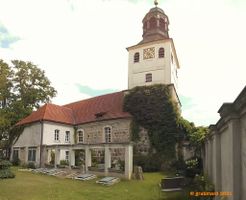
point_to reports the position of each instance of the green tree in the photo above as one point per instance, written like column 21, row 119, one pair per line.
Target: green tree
column 197, row 137
column 23, row 88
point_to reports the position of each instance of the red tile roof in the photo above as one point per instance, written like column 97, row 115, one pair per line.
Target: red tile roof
column 109, row 106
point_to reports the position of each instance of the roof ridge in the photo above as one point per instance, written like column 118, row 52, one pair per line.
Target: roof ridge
column 92, row 98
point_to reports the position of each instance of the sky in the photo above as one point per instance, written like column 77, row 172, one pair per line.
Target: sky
column 81, row 45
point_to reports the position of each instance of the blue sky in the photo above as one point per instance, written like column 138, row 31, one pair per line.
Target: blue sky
column 81, row 45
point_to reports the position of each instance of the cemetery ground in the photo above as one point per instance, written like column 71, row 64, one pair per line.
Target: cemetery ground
column 28, row 185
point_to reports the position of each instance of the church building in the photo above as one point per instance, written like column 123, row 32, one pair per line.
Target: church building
column 98, row 127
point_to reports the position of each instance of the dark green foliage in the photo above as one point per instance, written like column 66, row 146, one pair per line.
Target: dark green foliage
column 5, row 164
column 135, row 129
column 31, row 165
column 193, row 167
column 149, row 163
column 5, row 171
column 16, row 162
column 153, row 109
column 201, row 184
column 64, row 162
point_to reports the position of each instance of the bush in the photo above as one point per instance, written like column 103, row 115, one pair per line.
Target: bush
column 192, row 167
column 149, row 163
column 64, row 162
column 5, row 164
column 31, row 165
column 16, row 162
column 6, row 173
column 4, row 169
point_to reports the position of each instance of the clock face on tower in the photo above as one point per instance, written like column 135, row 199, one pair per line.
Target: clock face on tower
column 149, row 53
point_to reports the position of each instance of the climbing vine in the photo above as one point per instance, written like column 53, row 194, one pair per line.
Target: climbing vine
column 153, row 109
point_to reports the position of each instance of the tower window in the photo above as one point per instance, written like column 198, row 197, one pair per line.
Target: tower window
column 161, row 52
column 162, row 24
column 148, row 78
column 107, row 132
column 172, row 58
column 153, row 23
column 136, row 57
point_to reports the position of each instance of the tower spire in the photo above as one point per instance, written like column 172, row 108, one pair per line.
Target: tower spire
column 156, row 3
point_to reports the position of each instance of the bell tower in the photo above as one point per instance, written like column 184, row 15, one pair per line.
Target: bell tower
column 154, row 60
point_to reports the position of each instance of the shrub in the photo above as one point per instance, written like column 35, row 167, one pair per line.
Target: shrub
column 5, row 164
column 192, row 167
column 4, row 169
column 64, row 162
column 31, row 165
column 6, row 173
column 202, row 184
column 16, row 162
column 149, row 163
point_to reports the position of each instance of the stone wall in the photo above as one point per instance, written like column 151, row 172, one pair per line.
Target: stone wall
column 225, row 149
column 94, row 132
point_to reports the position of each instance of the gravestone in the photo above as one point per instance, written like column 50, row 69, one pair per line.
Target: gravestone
column 138, row 173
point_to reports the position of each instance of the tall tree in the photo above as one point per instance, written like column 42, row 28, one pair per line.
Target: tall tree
column 6, row 75
column 23, row 88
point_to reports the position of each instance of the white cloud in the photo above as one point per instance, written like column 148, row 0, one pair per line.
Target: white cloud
column 83, row 42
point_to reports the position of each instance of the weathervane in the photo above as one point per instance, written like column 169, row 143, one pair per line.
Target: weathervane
column 156, row 3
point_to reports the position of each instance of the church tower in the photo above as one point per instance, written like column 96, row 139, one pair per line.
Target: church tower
column 154, row 59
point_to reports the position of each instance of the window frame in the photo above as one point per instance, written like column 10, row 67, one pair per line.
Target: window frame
column 67, row 136
column 148, row 77
column 161, row 52
column 32, row 154
column 107, row 135
column 15, row 154
column 136, row 57
column 67, row 156
column 57, row 135
column 81, row 131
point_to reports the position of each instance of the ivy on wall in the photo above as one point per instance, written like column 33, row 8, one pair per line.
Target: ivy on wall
column 153, row 109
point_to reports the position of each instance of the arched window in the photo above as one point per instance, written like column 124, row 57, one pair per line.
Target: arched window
column 80, row 136
column 107, row 133
column 56, row 135
column 148, row 77
column 145, row 27
column 136, row 57
column 152, row 23
column 161, row 52
column 162, row 24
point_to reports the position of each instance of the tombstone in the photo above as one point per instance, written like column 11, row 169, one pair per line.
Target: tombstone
column 83, row 169
column 138, row 173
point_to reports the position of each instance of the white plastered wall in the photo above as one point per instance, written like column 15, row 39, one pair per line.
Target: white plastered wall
column 49, row 132
column 163, row 69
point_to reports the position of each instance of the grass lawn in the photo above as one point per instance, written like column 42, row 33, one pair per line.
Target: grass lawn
column 30, row 186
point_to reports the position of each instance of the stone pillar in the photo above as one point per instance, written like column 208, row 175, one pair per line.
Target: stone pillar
column 87, row 158
column 128, row 161
column 71, row 157
column 57, row 157
column 26, row 154
column 218, row 162
column 236, row 157
column 44, row 156
column 107, row 159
